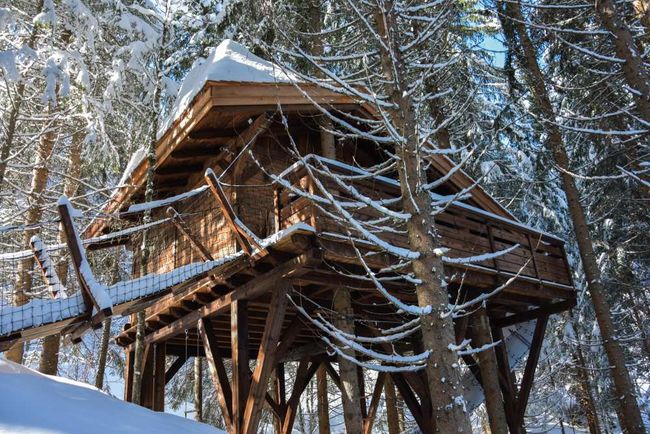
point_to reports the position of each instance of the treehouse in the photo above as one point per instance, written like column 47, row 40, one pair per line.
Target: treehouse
column 232, row 188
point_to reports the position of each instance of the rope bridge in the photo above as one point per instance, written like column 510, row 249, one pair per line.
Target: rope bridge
column 52, row 288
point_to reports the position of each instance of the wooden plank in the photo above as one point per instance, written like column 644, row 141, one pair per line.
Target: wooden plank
column 250, row 290
column 266, row 357
column 536, row 313
column 174, row 368
column 217, row 370
column 374, row 403
column 239, row 360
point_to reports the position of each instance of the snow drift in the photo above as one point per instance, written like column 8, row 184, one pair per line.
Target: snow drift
column 31, row 402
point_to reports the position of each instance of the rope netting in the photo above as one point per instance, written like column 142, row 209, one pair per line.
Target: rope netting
column 44, row 279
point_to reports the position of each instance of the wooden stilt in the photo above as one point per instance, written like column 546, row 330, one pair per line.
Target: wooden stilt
column 304, row 374
column 128, row 376
column 265, row 358
column 174, row 368
column 239, row 359
column 322, row 400
column 160, row 353
column 374, row 403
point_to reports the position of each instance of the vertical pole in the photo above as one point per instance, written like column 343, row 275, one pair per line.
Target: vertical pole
column 489, row 374
column 240, row 368
column 323, row 401
column 160, row 354
column 128, row 376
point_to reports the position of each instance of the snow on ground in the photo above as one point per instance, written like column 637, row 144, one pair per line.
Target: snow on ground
column 32, row 403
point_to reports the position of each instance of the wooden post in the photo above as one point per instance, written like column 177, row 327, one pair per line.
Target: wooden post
column 128, row 376
column 48, row 272
column 374, row 403
column 322, row 401
column 160, row 353
column 303, row 375
column 265, row 358
column 77, row 252
column 239, row 358
column 489, row 374
column 392, row 411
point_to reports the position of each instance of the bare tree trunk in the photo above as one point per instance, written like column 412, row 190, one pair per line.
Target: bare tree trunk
column 351, row 396
column 585, row 397
column 14, row 113
column 487, row 362
column 49, row 360
column 138, row 362
column 517, row 37
column 40, row 175
column 392, row 411
column 198, row 389
column 443, row 375
column 103, row 353
column 323, row 401
column 634, row 72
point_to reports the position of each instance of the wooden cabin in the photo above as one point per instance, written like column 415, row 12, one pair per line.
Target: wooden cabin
column 239, row 311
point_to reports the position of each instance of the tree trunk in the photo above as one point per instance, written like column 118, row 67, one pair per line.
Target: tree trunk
column 138, row 362
column 392, row 410
column 585, row 397
column 49, row 359
column 323, row 401
column 198, row 389
column 103, row 353
column 634, row 72
column 487, row 362
column 443, row 375
column 630, row 416
column 40, row 175
column 351, row 396
column 14, row 113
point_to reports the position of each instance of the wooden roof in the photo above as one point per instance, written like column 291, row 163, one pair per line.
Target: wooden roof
column 248, row 99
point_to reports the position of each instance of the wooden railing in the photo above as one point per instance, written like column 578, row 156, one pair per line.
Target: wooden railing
column 465, row 230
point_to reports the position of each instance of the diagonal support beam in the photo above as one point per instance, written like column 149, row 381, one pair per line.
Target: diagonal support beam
column 374, row 403
column 217, row 369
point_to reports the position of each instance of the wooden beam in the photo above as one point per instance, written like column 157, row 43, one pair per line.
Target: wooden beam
column 174, row 368
column 159, row 382
column 250, row 290
column 411, row 401
column 374, row 403
column 184, row 229
column 542, row 311
column 212, row 133
column 128, row 376
column 531, row 366
column 48, row 272
column 244, row 239
column 217, row 370
column 239, row 360
column 77, row 253
column 266, row 357
column 178, row 169
column 304, row 374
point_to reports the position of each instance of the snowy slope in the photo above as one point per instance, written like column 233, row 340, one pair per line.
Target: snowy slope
column 31, row 402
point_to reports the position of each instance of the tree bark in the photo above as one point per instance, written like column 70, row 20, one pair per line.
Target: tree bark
column 40, row 175
column 585, row 397
column 103, row 353
column 49, row 360
column 443, row 375
column 633, row 69
column 351, row 396
column 487, row 362
column 198, row 389
column 518, row 41
column 14, row 113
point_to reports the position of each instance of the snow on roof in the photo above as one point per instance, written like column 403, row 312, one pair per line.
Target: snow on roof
column 37, row 403
column 230, row 61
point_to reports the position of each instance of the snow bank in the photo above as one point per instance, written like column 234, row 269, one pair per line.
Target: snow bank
column 230, row 61
column 31, row 402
